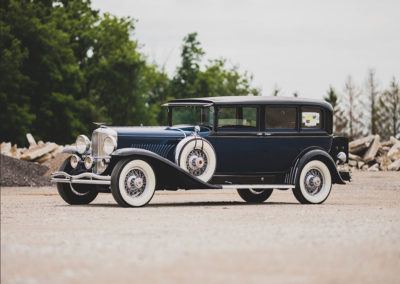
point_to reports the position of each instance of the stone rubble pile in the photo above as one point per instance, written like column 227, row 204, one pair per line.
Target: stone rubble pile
column 371, row 154
column 39, row 152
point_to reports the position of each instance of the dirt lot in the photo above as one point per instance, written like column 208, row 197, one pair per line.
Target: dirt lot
column 205, row 236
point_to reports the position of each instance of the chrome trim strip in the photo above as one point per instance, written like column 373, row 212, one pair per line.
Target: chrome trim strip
column 200, row 104
column 64, row 177
column 81, row 181
column 257, row 186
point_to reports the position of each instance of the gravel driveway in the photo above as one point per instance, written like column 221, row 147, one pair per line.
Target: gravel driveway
column 205, row 236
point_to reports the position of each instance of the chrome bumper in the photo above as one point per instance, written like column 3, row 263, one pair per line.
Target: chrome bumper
column 83, row 178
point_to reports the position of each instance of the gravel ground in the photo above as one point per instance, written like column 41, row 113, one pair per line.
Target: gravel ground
column 14, row 172
column 205, row 236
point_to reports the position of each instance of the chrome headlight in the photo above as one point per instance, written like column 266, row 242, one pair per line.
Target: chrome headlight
column 74, row 161
column 82, row 144
column 88, row 162
column 109, row 145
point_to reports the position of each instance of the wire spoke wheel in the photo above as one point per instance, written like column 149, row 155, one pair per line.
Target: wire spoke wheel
column 314, row 183
column 133, row 183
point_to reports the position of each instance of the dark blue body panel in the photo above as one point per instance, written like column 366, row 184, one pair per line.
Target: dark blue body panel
column 262, row 154
column 248, row 154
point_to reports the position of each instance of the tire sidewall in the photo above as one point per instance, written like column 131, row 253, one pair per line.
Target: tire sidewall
column 70, row 193
column 323, row 194
column 148, row 193
column 209, row 151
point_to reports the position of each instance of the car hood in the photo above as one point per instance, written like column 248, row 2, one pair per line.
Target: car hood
column 145, row 131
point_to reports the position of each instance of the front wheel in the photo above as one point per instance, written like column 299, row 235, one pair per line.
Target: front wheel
column 75, row 194
column 254, row 195
column 314, row 184
column 133, row 183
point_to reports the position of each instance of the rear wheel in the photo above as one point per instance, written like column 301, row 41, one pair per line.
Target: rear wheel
column 314, row 184
column 75, row 194
column 133, row 183
column 254, row 195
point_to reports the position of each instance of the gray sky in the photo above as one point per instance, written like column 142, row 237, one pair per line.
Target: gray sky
column 298, row 46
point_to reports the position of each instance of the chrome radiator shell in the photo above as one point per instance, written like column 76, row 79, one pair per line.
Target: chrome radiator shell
column 98, row 154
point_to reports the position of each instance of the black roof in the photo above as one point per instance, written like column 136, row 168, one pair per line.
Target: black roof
column 249, row 100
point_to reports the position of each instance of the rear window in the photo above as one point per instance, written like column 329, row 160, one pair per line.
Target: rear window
column 311, row 118
column 280, row 117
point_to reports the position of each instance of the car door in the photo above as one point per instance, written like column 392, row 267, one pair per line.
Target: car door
column 237, row 141
column 289, row 130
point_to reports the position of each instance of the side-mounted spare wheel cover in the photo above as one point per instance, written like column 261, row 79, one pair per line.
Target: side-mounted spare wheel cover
column 196, row 156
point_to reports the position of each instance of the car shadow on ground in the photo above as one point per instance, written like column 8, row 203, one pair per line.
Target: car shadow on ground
column 224, row 204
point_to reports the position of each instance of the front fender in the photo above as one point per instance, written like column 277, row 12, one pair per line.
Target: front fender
column 168, row 174
column 323, row 157
column 69, row 150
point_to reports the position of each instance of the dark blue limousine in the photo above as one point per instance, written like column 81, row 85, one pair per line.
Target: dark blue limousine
column 251, row 144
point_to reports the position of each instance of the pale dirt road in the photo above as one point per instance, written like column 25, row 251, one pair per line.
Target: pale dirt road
column 205, row 237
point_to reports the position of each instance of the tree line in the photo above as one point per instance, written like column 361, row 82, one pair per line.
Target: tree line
column 360, row 111
column 64, row 65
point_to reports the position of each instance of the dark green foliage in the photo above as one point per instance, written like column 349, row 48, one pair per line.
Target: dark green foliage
column 64, row 66
column 215, row 79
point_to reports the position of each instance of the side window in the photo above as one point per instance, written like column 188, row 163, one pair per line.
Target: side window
column 311, row 118
column 280, row 118
column 238, row 118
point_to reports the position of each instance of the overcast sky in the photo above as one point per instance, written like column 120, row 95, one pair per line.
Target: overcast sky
column 298, row 46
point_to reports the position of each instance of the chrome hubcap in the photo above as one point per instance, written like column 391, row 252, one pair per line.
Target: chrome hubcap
column 196, row 162
column 135, row 182
column 313, row 181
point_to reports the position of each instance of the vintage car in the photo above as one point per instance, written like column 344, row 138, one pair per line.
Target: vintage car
column 253, row 144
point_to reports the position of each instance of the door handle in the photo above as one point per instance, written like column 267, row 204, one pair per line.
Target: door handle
column 267, row 134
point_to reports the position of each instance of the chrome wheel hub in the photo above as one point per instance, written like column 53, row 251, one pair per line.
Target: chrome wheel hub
column 196, row 162
column 313, row 181
column 135, row 182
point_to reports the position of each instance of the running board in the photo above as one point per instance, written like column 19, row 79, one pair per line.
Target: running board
column 256, row 186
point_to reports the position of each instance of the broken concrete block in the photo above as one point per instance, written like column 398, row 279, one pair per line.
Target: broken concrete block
column 372, row 150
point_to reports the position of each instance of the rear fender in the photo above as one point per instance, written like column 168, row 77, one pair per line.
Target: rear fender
column 168, row 174
column 313, row 154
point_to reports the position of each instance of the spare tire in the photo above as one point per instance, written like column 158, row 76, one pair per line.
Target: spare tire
column 196, row 156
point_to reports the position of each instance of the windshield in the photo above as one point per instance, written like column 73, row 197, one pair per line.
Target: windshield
column 193, row 115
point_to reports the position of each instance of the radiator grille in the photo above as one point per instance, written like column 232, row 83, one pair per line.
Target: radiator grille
column 98, row 137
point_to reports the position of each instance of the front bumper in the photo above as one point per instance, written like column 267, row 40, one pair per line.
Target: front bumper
column 83, row 178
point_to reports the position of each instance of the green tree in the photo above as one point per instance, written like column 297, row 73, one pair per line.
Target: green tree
column 214, row 79
column 52, row 80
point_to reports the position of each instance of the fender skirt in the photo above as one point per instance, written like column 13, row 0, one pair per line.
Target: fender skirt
column 168, row 174
column 323, row 157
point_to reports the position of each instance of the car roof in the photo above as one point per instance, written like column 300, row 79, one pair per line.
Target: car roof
column 248, row 100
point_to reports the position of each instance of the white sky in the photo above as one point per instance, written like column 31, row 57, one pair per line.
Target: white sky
column 298, row 46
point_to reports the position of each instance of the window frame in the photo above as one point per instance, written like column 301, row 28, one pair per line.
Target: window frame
column 322, row 128
column 250, row 130
column 281, row 130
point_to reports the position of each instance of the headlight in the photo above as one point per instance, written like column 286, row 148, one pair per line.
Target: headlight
column 109, row 145
column 74, row 161
column 88, row 162
column 82, row 144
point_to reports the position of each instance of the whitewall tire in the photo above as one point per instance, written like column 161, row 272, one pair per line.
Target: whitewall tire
column 196, row 156
column 314, row 184
column 133, row 183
